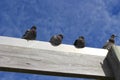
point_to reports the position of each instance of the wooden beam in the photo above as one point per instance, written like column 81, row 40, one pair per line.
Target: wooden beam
column 37, row 57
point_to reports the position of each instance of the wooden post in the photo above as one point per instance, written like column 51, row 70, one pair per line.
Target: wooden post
column 113, row 60
column 37, row 57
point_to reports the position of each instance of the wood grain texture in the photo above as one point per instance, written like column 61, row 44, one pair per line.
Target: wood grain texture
column 17, row 58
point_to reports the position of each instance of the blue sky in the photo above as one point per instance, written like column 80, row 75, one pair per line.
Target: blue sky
column 96, row 20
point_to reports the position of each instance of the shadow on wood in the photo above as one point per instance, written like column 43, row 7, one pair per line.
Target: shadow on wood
column 107, row 70
column 113, row 61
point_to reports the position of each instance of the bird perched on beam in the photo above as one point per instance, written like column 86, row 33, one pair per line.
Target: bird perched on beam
column 30, row 34
column 110, row 42
column 56, row 39
column 80, row 42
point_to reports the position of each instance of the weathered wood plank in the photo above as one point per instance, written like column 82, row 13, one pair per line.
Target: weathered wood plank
column 47, row 46
column 65, row 60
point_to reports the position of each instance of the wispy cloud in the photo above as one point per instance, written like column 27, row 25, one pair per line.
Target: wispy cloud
column 94, row 19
